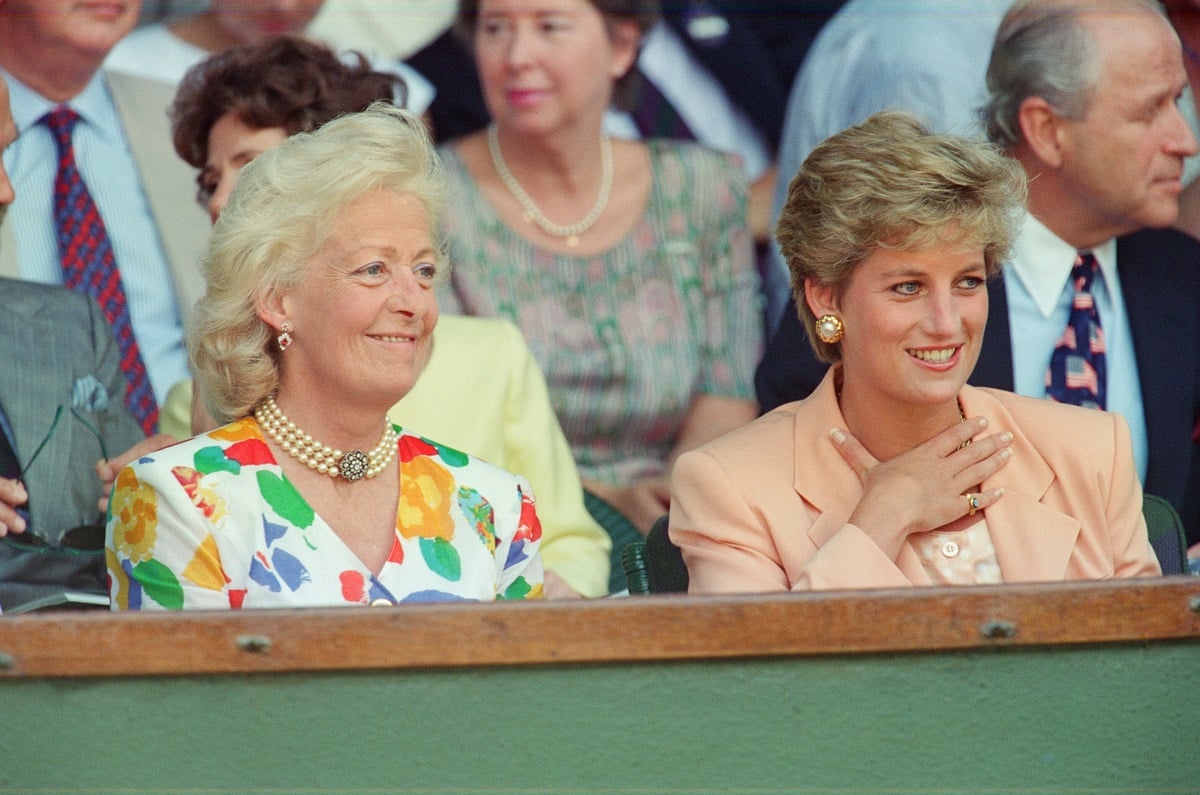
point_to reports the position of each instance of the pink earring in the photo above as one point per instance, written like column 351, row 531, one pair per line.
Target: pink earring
column 285, row 336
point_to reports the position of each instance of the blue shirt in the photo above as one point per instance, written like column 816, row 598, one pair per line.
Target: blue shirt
column 108, row 167
column 1039, row 302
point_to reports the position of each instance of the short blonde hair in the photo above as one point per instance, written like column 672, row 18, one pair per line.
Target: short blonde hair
column 278, row 217
column 891, row 183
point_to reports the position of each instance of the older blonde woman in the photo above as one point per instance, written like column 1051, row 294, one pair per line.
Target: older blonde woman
column 317, row 318
column 237, row 104
column 894, row 472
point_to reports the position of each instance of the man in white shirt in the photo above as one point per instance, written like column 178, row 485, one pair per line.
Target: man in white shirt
column 60, row 411
column 1103, row 142
column 51, row 52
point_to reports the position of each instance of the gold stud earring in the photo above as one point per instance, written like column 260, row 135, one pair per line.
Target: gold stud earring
column 830, row 329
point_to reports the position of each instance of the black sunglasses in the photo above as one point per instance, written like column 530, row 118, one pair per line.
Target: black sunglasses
column 86, row 539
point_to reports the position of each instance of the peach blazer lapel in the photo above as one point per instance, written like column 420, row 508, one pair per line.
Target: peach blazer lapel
column 821, row 476
column 1033, row 539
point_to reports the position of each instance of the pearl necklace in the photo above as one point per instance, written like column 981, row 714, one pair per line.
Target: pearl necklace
column 534, row 215
column 352, row 466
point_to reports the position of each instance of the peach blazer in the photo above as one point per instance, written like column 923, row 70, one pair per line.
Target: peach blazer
column 765, row 507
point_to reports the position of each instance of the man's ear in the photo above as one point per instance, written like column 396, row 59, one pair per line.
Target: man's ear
column 1046, row 133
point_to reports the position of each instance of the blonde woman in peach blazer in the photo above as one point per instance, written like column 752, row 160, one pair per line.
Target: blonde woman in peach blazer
column 894, row 472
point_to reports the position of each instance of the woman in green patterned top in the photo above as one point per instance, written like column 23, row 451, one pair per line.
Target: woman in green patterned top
column 628, row 265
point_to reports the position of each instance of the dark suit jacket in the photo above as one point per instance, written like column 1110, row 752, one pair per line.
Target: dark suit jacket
column 1160, row 280
column 757, row 58
column 58, row 350
column 458, row 108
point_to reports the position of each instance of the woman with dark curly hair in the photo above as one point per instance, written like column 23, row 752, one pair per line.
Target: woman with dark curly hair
column 266, row 92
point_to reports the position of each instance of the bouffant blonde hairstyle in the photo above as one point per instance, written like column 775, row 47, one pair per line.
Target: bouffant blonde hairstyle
column 278, row 217
column 892, row 183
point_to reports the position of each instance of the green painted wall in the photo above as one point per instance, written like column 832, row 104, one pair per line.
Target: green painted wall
column 1102, row 719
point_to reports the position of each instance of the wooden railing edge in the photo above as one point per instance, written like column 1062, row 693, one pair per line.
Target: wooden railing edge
column 615, row 630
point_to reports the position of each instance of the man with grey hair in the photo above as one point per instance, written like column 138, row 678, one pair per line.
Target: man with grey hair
column 1083, row 94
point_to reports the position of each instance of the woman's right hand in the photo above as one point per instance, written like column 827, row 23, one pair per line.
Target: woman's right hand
column 927, row 487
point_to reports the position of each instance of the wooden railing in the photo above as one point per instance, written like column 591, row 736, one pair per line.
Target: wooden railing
column 613, row 630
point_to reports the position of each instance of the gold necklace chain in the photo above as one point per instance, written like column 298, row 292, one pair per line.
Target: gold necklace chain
column 533, row 214
column 962, row 417
column 352, row 466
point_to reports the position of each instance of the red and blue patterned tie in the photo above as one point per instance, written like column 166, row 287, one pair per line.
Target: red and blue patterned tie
column 89, row 266
column 1077, row 371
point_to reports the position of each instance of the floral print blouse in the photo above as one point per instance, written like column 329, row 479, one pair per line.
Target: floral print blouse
column 213, row 523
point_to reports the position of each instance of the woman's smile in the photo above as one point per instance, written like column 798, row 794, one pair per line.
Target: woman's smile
column 936, row 356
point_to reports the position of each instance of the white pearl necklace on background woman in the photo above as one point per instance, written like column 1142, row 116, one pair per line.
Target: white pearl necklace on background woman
column 533, row 214
column 352, row 466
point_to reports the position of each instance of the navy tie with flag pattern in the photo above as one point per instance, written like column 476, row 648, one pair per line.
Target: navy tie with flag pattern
column 1077, row 371
column 89, row 266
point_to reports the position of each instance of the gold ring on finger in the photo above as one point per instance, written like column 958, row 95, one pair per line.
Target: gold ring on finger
column 972, row 503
